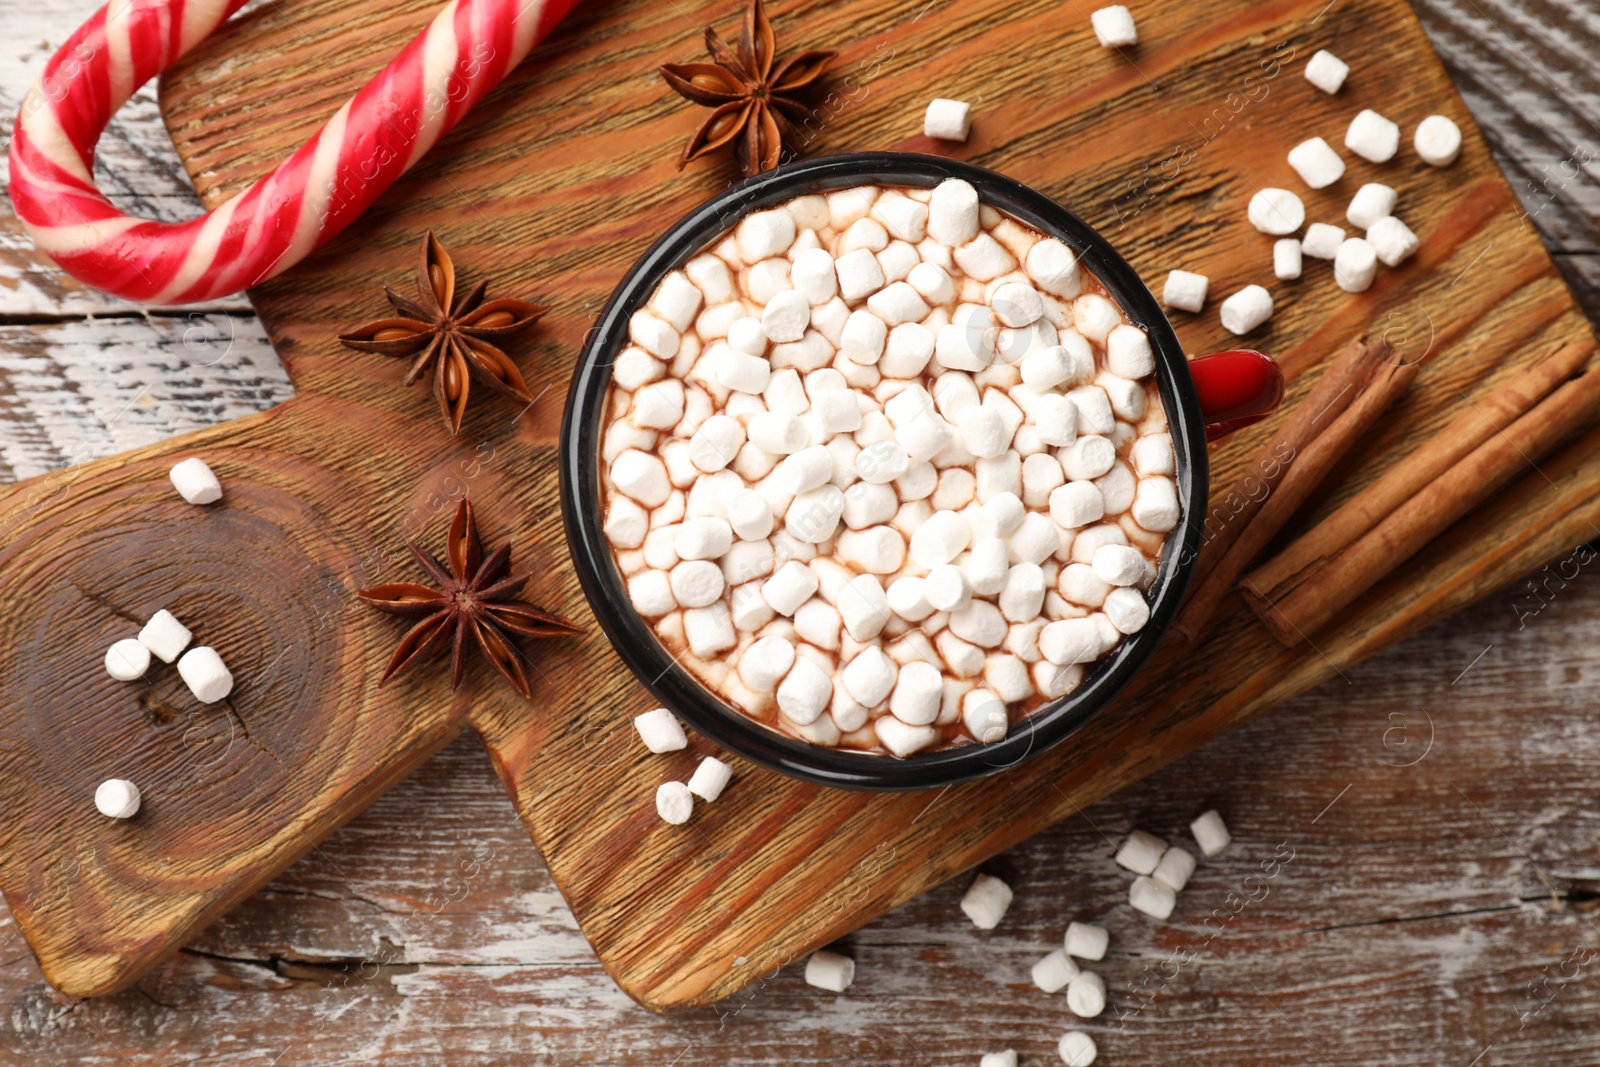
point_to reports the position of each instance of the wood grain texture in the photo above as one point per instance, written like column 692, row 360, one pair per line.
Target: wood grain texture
column 335, row 911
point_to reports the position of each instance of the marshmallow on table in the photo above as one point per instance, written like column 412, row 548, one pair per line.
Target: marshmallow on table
column 1287, row 259
column 1318, row 165
column 1008, row 1058
column 660, row 731
column 1086, row 941
column 1185, row 290
column 195, row 483
column 1114, row 28
column 1326, row 71
column 1246, row 309
column 1372, row 137
column 986, row 901
column 674, row 803
column 127, row 660
column 117, row 798
column 205, row 674
column 1077, row 1049
column 1356, row 266
column 1392, row 241
column 1276, row 212
column 1372, row 202
column 1175, row 869
column 1151, row 897
column 1140, row 852
column 1086, row 995
column 947, row 120
column 165, row 636
column 1438, row 141
column 1322, row 240
column 1210, row 833
column 1054, row 971
column 830, row 971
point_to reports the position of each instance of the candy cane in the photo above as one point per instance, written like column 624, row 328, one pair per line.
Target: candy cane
column 268, row 228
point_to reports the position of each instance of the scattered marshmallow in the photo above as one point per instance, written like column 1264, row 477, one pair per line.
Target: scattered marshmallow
column 1210, row 833
column 1140, row 852
column 674, row 803
column 1438, row 140
column 1152, row 898
column 1175, row 869
column 1287, row 259
column 1185, row 290
column 1276, row 212
column 205, row 674
column 1318, row 165
column 1008, row 1058
column 1114, row 27
column 1372, row 202
column 986, row 901
column 1086, row 995
column 1052, row 973
column 1085, row 941
column 117, row 798
column 1326, row 71
column 1392, row 241
column 1322, row 240
column 660, row 731
column 1077, row 1049
column 947, row 120
column 195, row 483
column 1356, row 265
column 830, row 971
column 710, row 778
column 1372, row 137
column 1246, row 309
column 127, row 660
column 165, row 636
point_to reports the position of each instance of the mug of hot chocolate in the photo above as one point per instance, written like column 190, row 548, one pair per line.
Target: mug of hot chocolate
column 886, row 471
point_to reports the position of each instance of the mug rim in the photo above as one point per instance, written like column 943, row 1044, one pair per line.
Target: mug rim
column 583, row 431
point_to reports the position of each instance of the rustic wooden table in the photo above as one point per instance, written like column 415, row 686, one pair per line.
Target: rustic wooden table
column 1431, row 814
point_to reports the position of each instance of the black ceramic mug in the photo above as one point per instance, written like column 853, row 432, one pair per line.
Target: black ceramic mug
column 1204, row 398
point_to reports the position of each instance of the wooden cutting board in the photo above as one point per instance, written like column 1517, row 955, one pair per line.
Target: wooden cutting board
column 549, row 190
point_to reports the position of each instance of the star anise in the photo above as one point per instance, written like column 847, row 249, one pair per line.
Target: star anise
column 451, row 338
column 470, row 601
column 757, row 108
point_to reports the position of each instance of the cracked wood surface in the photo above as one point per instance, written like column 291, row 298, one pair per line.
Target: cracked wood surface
column 1434, row 913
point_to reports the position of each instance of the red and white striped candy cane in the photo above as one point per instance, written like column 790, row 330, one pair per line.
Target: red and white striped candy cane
column 278, row 221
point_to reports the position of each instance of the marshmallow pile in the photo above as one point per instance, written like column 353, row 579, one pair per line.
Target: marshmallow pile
column 661, row 733
column 165, row 637
column 1163, row 872
column 887, row 469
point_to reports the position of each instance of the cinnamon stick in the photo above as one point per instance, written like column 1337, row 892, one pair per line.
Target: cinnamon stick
column 1321, row 592
column 1360, row 385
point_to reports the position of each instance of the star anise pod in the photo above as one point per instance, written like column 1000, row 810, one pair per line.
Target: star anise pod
column 470, row 601
column 452, row 338
column 756, row 107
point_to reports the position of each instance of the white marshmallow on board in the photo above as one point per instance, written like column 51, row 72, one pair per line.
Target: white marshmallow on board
column 165, row 636
column 127, row 660
column 1246, row 309
column 947, row 120
column 1114, row 27
column 1077, row 1049
column 953, row 213
column 1276, row 212
column 660, row 731
column 207, row 677
column 830, row 971
column 1086, row 995
column 674, row 803
column 1438, row 140
column 1140, row 852
column 1326, row 71
column 1152, row 898
column 1355, row 268
column 1086, row 941
column 1322, row 240
column 195, row 483
column 710, row 778
column 1210, row 833
column 1372, row 202
column 1052, row 972
column 1008, row 1058
column 1175, row 869
column 1318, row 165
column 1287, row 257
column 1392, row 241
column 1372, row 137
column 1185, row 291
column 986, row 901
column 117, row 798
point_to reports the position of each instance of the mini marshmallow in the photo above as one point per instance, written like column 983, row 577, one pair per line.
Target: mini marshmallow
column 1070, row 641
column 1095, row 317
column 750, row 515
column 1322, row 241
column 999, row 516
column 205, row 674
column 165, row 636
column 918, row 693
column 1356, row 266
column 947, row 587
column 678, row 300
column 764, row 663
column 117, row 798
column 813, row 277
column 983, row 432
column 953, row 212
column 712, row 277
column 1174, row 870
column 1035, row 539
column 654, row 335
column 1095, row 416
column 908, row 600
column 802, row 471
column 1372, row 137
column 1114, row 28
column 986, row 901
column 1017, row 304
column 650, row 592
column 779, row 434
column 1210, row 833
column 708, row 630
column 1287, row 259
column 195, row 483
column 947, row 120
column 763, row 234
column 1152, row 898
column 660, row 731
column 785, row 317
column 1326, row 71
column 1318, row 165
column 1392, row 241
column 640, row 476
column 748, row 335
column 1155, row 505
column 902, row 739
column 1246, row 309
column 1438, row 140
column 930, row 280
column 986, row 565
column 789, row 587
column 1077, row 1049
column 940, row 539
column 697, row 583
column 1008, row 1058
column 965, row 346
column 1372, row 202
column 859, row 274
column 979, row 623
column 742, row 372
column 1054, row 268
column 870, row 677
column 905, row 219
column 674, row 803
column 1048, row 368
column 805, row 692
column 127, row 660
column 1086, row 941
column 984, row 716
column 1022, row 595
column 1276, row 212
column 1086, row 995
column 863, row 607
column 1077, row 504
column 710, row 778
column 1152, row 455
column 1128, row 353
column 1140, row 852
column 875, row 550
column 1054, row 971
column 702, row 538
column 882, row 462
column 1055, row 420
column 897, row 304
column 830, row 971
column 1119, row 565
column 1185, row 290
column 1088, row 458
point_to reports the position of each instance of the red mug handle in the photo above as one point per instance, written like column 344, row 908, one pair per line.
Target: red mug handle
column 1235, row 389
